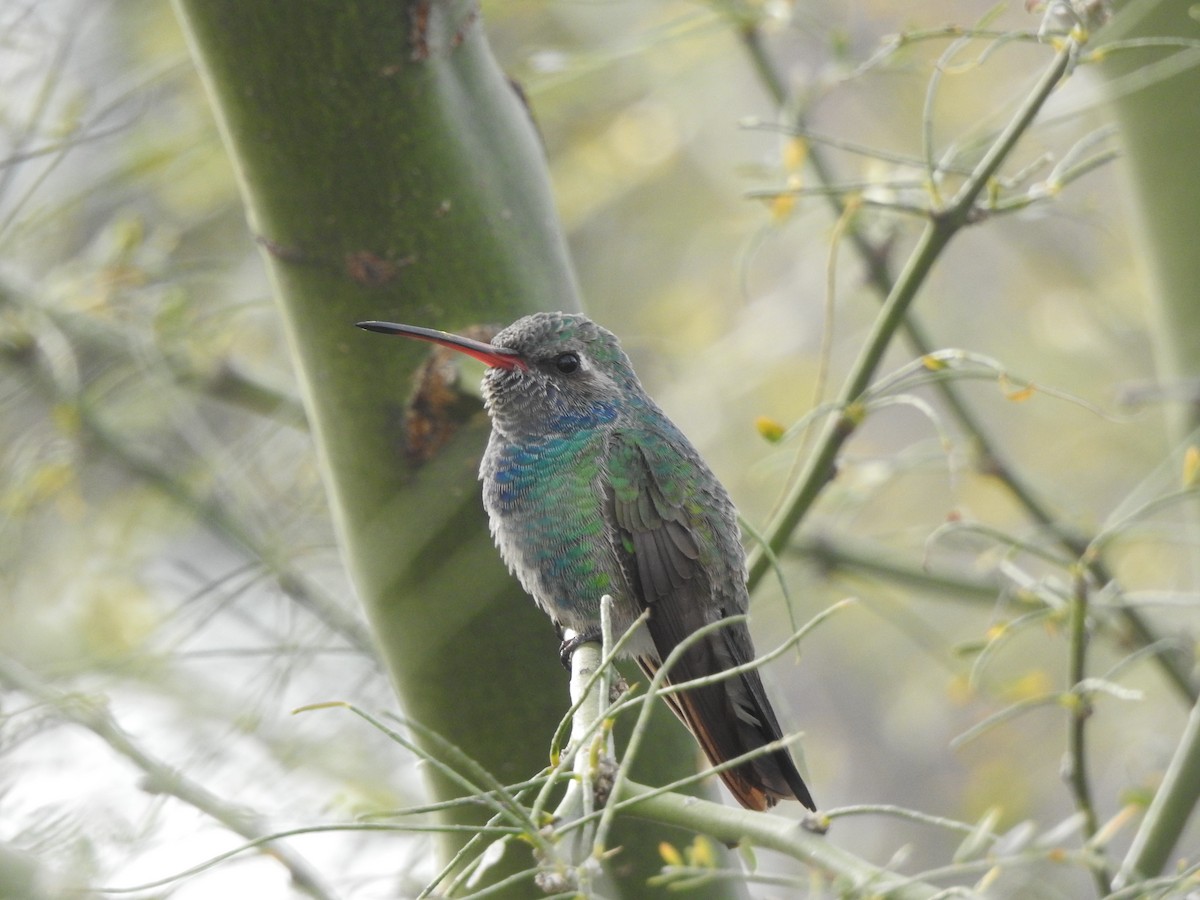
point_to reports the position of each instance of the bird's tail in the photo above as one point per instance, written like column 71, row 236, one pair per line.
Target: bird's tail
column 730, row 718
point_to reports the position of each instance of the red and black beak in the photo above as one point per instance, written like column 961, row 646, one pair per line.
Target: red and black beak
column 497, row 357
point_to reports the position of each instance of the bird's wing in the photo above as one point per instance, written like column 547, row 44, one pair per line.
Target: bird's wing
column 669, row 542
column 657, row 542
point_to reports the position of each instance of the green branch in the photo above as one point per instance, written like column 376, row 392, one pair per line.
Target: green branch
column 989, row 458
column 944, row 225
column 734, row 826
column 1080, row 710
column 1169, row 811
column 1153, row 83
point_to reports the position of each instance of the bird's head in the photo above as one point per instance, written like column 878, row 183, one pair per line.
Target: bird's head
column 548, row 373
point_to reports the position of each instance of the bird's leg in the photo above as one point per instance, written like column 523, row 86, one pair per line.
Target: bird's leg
column 567, row 862
column 572, row 640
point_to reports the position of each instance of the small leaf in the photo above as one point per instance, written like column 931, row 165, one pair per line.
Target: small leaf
column 1015, row 394
column 1015, row 840
column 970, row 648
column 980, row 837
column 988, row 879
column 669, row 854
column 1066, row 830
column 1137, row 796
column 1114, row 826
column 328, row 704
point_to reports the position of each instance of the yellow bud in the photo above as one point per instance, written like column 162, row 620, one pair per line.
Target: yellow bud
column 1032, row 684
column 701, row 853
column 771, row 429
column 669, row 854
column 795, row 152
column 1191, row 466
column 959, row 689
column 781, row 206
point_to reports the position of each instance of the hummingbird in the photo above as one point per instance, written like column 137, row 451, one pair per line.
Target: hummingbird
column 591, row 490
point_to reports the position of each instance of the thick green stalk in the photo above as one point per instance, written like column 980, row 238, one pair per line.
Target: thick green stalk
column 1153, row 91
column 391, row 171
column 1169, row 810
column 1153, row 87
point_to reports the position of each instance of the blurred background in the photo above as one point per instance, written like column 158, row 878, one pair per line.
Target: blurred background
column 171, row 585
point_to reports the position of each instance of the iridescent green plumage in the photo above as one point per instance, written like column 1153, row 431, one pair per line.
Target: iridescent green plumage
column 591, row 490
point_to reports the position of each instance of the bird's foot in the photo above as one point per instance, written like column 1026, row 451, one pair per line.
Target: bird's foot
column 571, row 641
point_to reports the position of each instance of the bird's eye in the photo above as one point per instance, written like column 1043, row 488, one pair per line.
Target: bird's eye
column 567, row 363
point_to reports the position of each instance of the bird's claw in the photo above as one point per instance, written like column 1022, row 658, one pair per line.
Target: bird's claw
column 572, row 642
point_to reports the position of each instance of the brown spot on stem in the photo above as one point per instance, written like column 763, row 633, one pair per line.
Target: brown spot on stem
column 372, row 270
column 418, row 32
column 461, row 34
column 438, row 406
column 362, row 266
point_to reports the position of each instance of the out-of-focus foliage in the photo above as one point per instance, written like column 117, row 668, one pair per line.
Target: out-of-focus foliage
column 167, row 555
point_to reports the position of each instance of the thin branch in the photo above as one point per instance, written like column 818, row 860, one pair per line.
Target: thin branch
column 732, row 826
column 160, row 777
column 211, row 510
column 858, row 558
column 1080, row 710
column 990, row 460
column 937, row 234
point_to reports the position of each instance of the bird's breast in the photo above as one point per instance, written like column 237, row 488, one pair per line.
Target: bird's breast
column 545, row 502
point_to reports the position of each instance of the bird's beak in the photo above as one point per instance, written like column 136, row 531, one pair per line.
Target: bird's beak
column 497, row 357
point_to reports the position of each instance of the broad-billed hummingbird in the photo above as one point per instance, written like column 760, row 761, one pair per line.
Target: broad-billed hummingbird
column 592, row 490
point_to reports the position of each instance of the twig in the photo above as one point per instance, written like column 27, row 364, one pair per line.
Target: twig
column 861, row 558
column 1080, row 709
column 212, row 511
column 733, row 826
column 160, row 777
column 989, row 458
column 937, row 234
